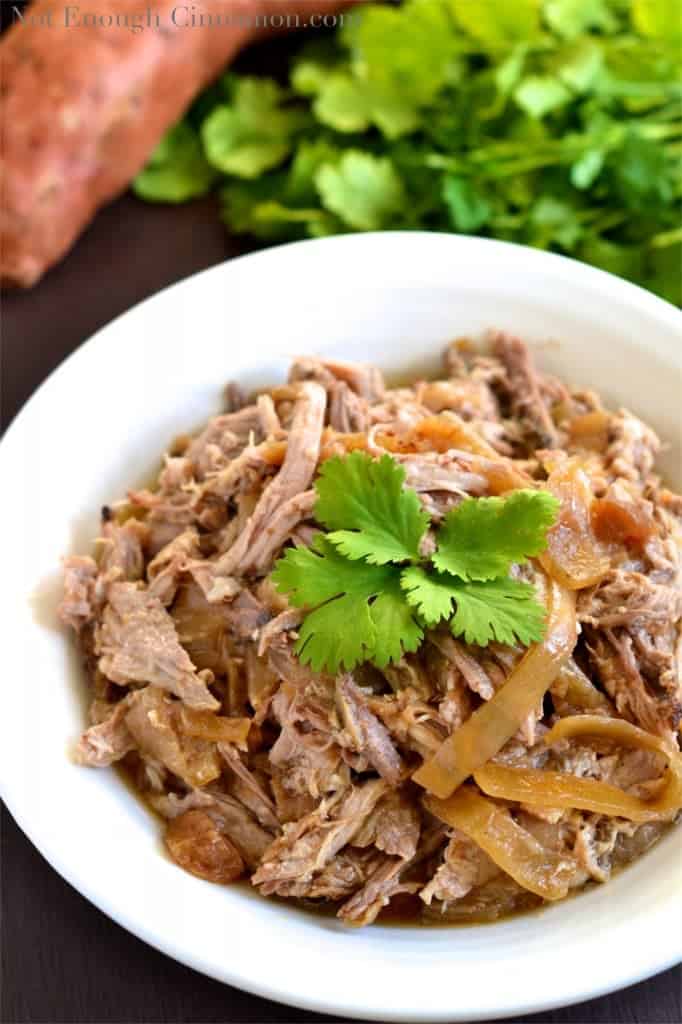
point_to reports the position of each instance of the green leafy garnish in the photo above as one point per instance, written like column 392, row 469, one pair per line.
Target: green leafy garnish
column 502, row 609
column 254, row 132
column 482, row 537
column 429, row 593
column 505, row 610
column 397, row 630
column 370, row 593
column 368, row 510
column 554, row 123
column 364, row 190
column 359, row 613
column 177, row 169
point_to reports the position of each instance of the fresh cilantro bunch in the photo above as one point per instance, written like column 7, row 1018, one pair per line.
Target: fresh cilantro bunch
column 554, row 123
column 371, row 593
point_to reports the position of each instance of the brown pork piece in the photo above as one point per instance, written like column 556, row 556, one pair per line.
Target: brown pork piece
column 137, row 643
column 195, row 842
column 308, row 845
column 85, row 101
column 364, row 732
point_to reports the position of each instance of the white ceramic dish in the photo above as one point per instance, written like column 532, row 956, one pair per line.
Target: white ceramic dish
column 99, row 424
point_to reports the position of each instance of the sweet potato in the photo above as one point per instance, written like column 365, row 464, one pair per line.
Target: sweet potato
column 83, row 105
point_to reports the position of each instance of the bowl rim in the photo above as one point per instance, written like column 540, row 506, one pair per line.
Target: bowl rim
column 582, row 276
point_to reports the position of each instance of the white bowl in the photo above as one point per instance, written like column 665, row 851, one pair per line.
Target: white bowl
column 99, row 424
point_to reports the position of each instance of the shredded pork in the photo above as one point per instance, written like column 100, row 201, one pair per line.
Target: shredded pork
column 302, row 781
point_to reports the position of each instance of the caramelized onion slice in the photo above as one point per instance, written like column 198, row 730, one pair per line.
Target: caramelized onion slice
column 511, row 847
column 494, row 723
column 578, row 690
column 574, row 557
column 591, row 795
column 558, row 789
column 205, row 725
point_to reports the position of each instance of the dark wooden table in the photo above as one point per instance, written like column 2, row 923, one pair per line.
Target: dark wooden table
column 62, row 960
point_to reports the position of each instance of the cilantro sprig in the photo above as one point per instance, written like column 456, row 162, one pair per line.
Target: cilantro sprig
column 371, row 593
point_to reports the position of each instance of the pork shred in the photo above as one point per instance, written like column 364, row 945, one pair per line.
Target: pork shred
column 299, row 780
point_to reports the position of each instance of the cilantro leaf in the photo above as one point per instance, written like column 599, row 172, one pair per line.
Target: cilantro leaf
column 299, row 187
column 552, row 220
column 362, row 613
column 641, row 173
column 504, row 610
column 570, row 18
column 541, row 94
column 343, row 103
column 365, row 191
column 177, row 169
column 313, row 575
column 349, row 104
column 406, row 53
column 429, row 593
column 397, row 631
column 579, row 64
column 481, row 537
column 659, row 19
column 495, row 24
column 371, row 514
column 325, row 640
column 469, row 210
column 252, row 134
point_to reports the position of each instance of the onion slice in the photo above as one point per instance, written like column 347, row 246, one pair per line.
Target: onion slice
column 561, row 790
column 574, row 557
column 205, row 725
column 494, row 723
column 578, row 690
column 514, row 850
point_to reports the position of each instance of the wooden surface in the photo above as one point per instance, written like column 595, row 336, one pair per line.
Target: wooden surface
column 63, row 960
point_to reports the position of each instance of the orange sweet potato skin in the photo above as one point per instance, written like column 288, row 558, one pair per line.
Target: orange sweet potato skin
column 82, row 107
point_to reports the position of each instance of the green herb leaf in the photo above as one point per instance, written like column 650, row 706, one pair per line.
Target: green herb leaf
column 299, row 187
column 482, row 537
column 342, row 590
column 396, row 630
column 371, row 514
column 540, row 94
column 504, row 610
column 641, row 173
column 177, row 169
column 498, row 25
column 570, row 18
column 552, row 220
column 404, row 52
column 469, row 210
column 362, row 613
column 311, row 576
column 587, row 168
column 343, row 104
column 254, row 133
column 579, row 64
column 658, row 19
column 365, row 191
column 327, row 644
column 430, row 594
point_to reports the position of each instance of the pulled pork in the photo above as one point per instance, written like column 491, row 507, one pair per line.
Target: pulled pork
column 302, row 782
